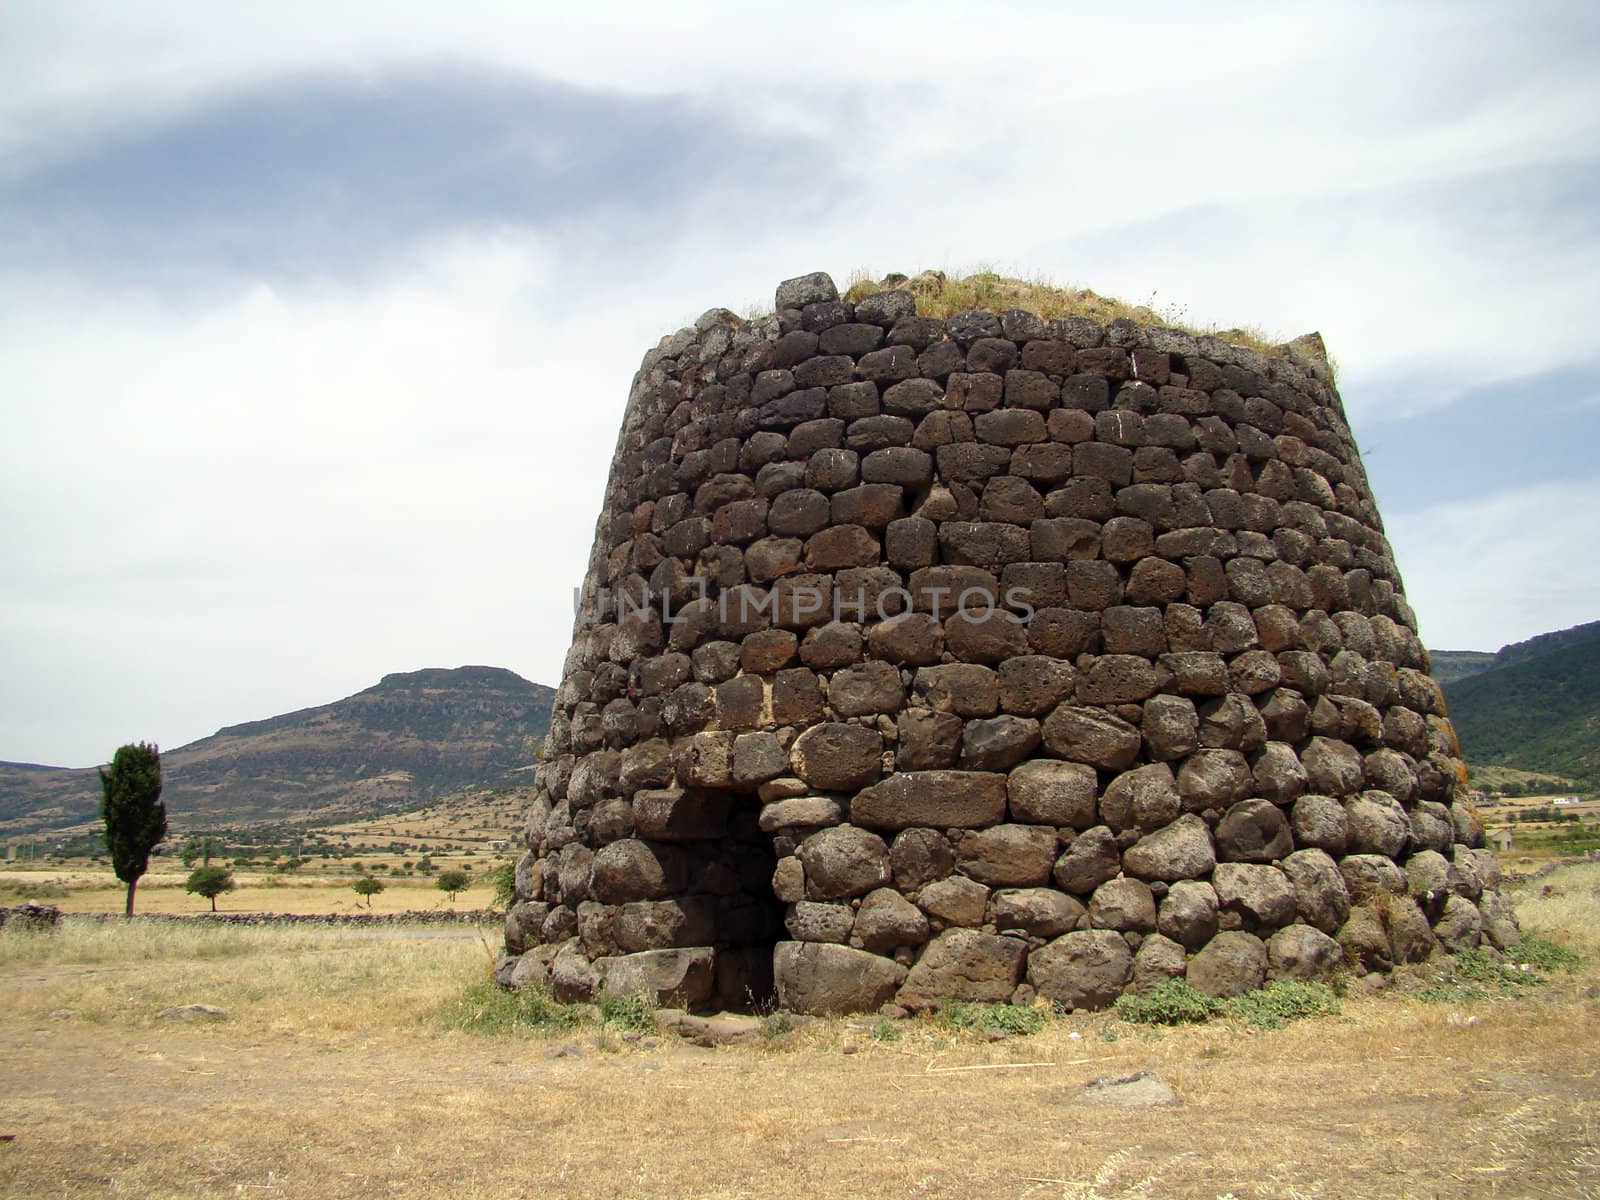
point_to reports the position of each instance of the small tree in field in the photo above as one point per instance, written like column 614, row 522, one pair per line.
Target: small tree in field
column 202, row 846
column 453, row 882
column 503, row 878
column 130, row 805
column 209, row 882
column 367, row 887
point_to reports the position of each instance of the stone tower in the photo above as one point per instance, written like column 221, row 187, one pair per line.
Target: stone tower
column 988, row 658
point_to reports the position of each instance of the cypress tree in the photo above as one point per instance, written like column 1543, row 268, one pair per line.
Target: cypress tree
column 130, row 805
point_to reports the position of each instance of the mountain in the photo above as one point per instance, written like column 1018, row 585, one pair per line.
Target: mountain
column 411, row 737
column 1451, row 665
column 1536, row 707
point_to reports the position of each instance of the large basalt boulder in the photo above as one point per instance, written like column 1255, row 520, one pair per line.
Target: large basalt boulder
column 1157, row 960
column 1259, row 897
column 1410, row 938
column 637, row 870
column 1320, row 823
column 1180, row 850
column 1189, row 913
column 920, row 856
column 1320, row 892
column 838, row 757
column 1082, row 970
column 886, row 921
column 1230, row 964
column 1500, row 927
column 1301, row 952
column 1378, row 824
column 1089, row 861
column 1007, row 855
column 955, row 901
column 821, row 979
column 809, row 921
column 1430, row 880
column 1047, row 792
column 947, row 799
column 680, row 978
column 1253, row 831
column 1367, row 876
column 1039, row 911
column 1092, row 736
column 1365, row 939
column 1460, row 926
column 964, row 964
column 843, row 861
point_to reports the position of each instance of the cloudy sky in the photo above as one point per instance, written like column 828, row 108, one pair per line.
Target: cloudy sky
column 316, row 321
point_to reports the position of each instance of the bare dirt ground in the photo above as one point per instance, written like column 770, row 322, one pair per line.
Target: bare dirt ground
column 333, row 1075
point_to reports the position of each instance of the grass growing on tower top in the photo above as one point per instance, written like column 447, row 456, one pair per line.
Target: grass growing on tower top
column 941, row 294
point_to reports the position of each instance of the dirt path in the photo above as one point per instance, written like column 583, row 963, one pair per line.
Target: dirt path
column 1390, row 1100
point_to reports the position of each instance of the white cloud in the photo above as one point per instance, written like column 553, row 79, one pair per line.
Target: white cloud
column 274, row 502
column 1501, row 568
column 265, row 497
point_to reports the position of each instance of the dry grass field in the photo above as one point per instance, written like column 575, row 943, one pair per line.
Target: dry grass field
column 471, row 831
column 82, row 890
column 342, row 1068
column 476, row 820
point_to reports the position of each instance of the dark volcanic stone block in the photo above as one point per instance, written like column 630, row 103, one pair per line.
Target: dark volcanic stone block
column 941, row 799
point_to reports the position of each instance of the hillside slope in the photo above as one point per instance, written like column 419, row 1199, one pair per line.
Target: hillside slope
column 1451, row 665
column 410, row 737
column 1537, row 709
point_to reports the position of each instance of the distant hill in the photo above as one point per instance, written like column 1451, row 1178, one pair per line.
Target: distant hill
column 1537, row 707
column 411, row 737
column 1451, row 665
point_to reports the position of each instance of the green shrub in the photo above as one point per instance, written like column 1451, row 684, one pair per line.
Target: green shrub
column 1175, row 1002
column 485, row 1007
column 984, row 1018
column 503, row 878
column 1477, row 975
column 775, row 1025
column 1280, row 1002
column 367, row 887
column 209, row 882
column 633, row 1011
column 1544, row 955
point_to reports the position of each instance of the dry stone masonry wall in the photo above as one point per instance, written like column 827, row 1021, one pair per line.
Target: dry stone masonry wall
column 989, row 658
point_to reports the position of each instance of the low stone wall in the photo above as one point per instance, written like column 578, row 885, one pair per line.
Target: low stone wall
column 30, row 916
column 989, row 658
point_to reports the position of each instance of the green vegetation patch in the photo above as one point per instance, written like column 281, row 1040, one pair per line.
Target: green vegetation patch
column 1572, row 839
column 987, row 1018
column 1282, row 1001
column 502, row 878
column 1177, row 1002
column 884, row 1030
column 1478, row 975
column 634, row 1011
column 776, row 1025
column 485, row 1007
